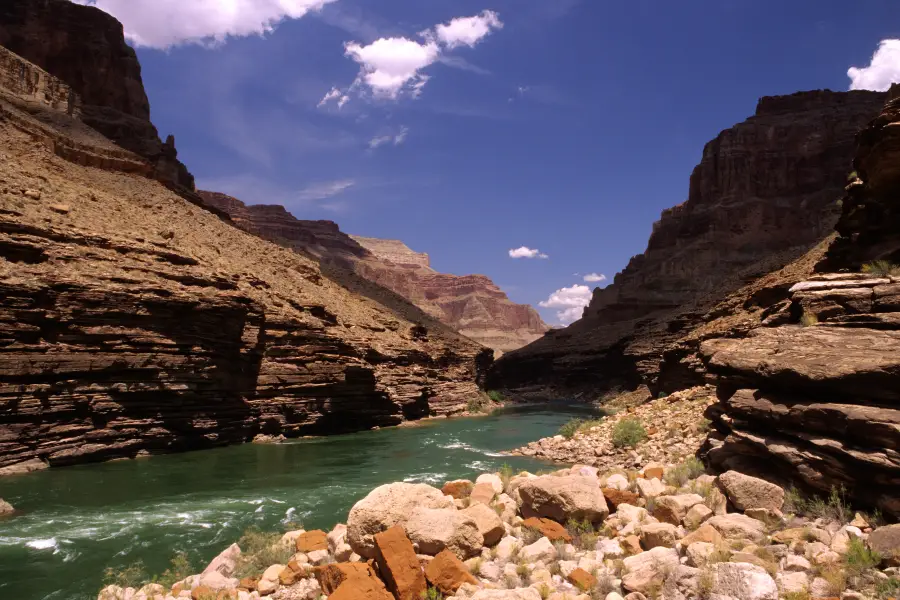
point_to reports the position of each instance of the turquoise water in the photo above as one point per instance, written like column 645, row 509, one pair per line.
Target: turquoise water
column 75, row 522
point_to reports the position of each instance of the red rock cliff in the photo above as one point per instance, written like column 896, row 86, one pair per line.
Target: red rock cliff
column 472, row 304
column 765, row 191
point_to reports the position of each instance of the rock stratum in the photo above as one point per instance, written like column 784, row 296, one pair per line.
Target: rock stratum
column 85, row 48
column 764, row 193
column 471, row 304
column 133, row 320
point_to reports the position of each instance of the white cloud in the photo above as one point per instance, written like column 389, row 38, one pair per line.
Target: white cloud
column 467, row 31
column 395, row 139
column 391, row 67
column 166, row 23
column 334, row 94
column 326, row 189
column 526, row 252
column 594, row 277
column 570, row 300
column 883, row 69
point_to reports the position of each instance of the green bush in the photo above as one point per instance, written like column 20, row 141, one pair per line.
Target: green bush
column 134, row 575
column 432, row 594
column 495, row 396
column 889, row 588
column 690, row 469
column 628, row 433
column 180, row 568
column 477, row 404
column 259, row 551
column 569, row 429
column 860, row 558
column 881, row 268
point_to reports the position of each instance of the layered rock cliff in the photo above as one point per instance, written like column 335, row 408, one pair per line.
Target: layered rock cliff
column 472, row 304
column 134, row 321
column 811, row 393
column 85, row 48
column 765, row 191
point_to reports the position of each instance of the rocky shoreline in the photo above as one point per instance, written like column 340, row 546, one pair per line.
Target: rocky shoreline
column 664, row 531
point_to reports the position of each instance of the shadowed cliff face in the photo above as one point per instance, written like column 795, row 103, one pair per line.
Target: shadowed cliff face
column 85, row 47
column 765, row 191
column 472, row 304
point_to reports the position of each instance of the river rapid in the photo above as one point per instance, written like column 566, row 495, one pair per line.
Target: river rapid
column 72, row 523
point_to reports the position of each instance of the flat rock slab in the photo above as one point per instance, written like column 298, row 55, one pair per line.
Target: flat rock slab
column 310, row 541
column 447, row 573
column 549, row 529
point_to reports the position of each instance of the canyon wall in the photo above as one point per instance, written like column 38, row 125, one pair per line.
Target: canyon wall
column 471, row 304
column 85, row 47
column 765, row 191
column 134, row 321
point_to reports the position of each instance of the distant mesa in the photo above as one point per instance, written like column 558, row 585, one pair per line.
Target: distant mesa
column 473, row 305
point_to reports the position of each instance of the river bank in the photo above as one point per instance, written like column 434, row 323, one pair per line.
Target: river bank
column 73, row 523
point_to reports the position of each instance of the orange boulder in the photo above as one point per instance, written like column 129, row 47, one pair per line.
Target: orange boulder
column 398, row 564
column 447, row 573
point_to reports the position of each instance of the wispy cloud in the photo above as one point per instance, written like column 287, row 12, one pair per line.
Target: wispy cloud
column 526, row 252
column 325, row 189
column 883, row 69
column 594, row 277
column 392, row 138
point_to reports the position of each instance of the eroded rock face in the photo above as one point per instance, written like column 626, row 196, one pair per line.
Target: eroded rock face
column 85, row 47
column 766, row 190
column 134, row 322
column 472, row 304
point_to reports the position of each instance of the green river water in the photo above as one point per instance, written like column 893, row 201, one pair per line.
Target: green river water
column 74, row 522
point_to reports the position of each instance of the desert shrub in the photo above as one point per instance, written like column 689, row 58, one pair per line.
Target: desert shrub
column 881, row 268
column 477, row 404
column 133, row 575
column 706, row 582
column 259, row 551
column 799, row 595
column 809, row 320
column 523, row 572
column 628, row 433
column 432, row 594
column 570, row 428
column 179, row 568
column 860, row 558
column 475, row 567
column 530, row 535
column 690, row 469
column 544, row 591
column 836, row 577
column 887, row 588
column 583, row 534
column 561, row 552
column 495, row 396
column 834, row 508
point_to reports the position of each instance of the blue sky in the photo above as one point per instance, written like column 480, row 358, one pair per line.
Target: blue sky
column 469, row 128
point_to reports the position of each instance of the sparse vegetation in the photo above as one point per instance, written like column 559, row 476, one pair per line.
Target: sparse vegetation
column 506, row 473
column 530, row 535
column 881, row 268
column 544, row 591
column 260, row 550
column 432, row 594
column 834, row 508
column 688, row 470
column 478, row 404
column 860, row 558
column 134, row 575
column 179, row 568
column 809, row 320
column 570, row 428
column 888, row 588
column 706, row 582
column 583, row 534
column 798, row 595
column 628, row 433
column 475, row 568
column 836, row 577
column 495, row 396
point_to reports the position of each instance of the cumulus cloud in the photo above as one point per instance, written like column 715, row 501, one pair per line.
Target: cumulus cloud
column 166, row 23
column 570, row 300
column 595, row 277
column 526, row 252
column 391, row 67
column 396, row 138
column 467, row 31
column 883, row 69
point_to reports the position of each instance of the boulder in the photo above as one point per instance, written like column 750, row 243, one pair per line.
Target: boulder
column 792, row 582
column 483, row 493
column 704, row 533
column 459, row 488
column 549, row 529
column 310, row 541
column 658, row 534
column 615, row 497
column 517, row 594
column 493, row 479
column 563, row 498
column 5, row 508
column 744, row 581
column 886, row 541
column 650, row 488
column 447, row 573
column 489, row 524
column 697, row 515
column 398, row 564
column 351, row 581
column 736, row 526
column 337, row 543
column 386, row 506
column 542, row 550
column 654, row 473
column 672, row 509
column 581, row 579
column 507, row 547
column 647, row 570
column 747, row 492
column 225, row 562
column 610, row 548
column 697, row 553
column 270, row 580
column 434, row 529
column 617, row 481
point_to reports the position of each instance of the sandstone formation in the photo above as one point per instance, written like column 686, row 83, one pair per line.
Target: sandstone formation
column 766, row 190
column 85, row 48
column 472, row 304
column 134, row 321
